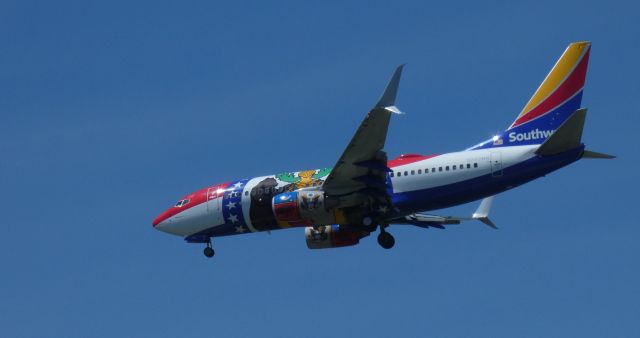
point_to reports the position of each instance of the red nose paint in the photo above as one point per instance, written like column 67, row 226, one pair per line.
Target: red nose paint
column 196, row 198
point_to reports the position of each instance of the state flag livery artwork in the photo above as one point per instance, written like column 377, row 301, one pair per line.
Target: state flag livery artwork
column 232, row 209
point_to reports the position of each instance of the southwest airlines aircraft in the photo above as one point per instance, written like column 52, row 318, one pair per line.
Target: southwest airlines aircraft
column 364, row 191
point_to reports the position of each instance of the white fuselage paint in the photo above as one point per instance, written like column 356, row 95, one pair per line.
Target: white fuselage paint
column 509, row 156
column 191, row 220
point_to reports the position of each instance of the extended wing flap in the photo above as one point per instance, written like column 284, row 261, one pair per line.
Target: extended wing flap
column 425, row 221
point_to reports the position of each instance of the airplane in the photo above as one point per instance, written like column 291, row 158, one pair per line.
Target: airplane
column 365, row 191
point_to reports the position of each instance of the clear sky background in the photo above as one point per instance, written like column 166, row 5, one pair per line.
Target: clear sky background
column 111, row 111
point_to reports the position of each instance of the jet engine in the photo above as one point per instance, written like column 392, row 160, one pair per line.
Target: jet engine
column 332, row 236
column 304, row 208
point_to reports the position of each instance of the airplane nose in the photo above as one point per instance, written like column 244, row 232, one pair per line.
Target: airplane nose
column 161, row 218
column 170, row 222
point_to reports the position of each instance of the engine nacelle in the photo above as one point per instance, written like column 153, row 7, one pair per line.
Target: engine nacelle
column 304, row 208
column 332, row 236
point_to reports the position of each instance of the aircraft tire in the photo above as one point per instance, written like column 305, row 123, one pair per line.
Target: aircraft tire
column 208, row 251
column 386, row 240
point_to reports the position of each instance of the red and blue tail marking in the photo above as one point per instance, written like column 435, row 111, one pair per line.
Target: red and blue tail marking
column 559, row 95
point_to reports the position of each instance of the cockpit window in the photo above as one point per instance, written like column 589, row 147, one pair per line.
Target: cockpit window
column 182, row 203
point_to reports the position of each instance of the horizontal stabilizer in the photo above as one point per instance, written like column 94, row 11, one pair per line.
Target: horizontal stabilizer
column 482, row 213
column 596, row 155
column 567, row 137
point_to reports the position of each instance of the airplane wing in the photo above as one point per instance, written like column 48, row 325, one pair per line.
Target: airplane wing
column 363, row 164
column 425, row 221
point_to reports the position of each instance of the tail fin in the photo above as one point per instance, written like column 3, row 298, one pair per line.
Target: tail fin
column 557, row 98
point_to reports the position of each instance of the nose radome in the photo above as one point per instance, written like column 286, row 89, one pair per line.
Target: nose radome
column 163, row 217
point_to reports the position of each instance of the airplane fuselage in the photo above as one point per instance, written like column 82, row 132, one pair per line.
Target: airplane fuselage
column 416, row 183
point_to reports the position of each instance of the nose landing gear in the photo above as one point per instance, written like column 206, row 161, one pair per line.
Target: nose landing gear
column 385, row 239
column 208, row 251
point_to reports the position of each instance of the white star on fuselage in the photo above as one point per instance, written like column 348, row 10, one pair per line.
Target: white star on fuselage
column 236, row 186
column 233, row 218
column 231, row 205
column 240, row 229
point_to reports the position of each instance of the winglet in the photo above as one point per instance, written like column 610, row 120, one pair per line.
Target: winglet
column 482, row 213
column 388, row 98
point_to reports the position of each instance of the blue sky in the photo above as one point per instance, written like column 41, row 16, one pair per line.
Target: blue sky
column 113, row 110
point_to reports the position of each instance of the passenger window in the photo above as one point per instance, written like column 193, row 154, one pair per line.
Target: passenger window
column 439, row 168
column 406, row 173
column 419, row 171
column 426, row 170
column 399, row 173
column 468, row 165
column 475, row 165
column 447, row 168
column 454, row 167
column 433, row 170
column 413, row 172
column 391, row 174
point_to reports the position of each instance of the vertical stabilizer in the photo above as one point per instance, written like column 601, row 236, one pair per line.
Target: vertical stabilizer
column 560, row 94
column 555, row 100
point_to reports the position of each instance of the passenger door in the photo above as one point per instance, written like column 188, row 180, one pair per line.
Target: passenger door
column 214, row 204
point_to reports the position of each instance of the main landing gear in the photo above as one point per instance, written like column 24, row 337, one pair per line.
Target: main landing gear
column 385, row 239
column 208, row 251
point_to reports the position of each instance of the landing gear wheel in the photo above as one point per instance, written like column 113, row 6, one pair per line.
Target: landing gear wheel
column 208, row 251
column 386, row 240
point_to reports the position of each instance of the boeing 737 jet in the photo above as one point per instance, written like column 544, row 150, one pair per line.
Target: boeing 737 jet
column 365, row 192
